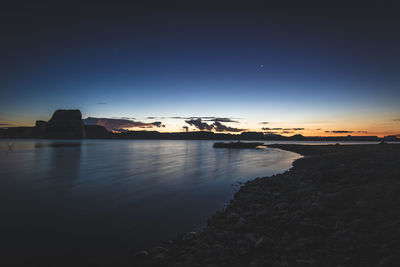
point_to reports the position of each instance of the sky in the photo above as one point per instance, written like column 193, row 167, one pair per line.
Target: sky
column 173, row 66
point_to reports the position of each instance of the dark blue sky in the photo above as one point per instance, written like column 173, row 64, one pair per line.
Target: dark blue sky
column 256, row 63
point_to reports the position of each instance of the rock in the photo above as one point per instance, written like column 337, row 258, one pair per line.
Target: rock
column 189, row 236
column 96, row 132
column 390, row 261
column 286, row 237
column 260, row 242
column 218, row 248
column 65, row 124
column 232, row 217
column 362, row 204
column 158, row 259
column 241, row 222
column 158, row 250
column 141, row 255
column 323, row 211
column 250, row 237
column 282, row 205
column 301, row 243
column 40, row 128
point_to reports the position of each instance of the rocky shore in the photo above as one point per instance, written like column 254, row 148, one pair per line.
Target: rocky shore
column 337, row 206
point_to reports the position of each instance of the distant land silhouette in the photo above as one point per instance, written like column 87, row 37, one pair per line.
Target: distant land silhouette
column 68, row 124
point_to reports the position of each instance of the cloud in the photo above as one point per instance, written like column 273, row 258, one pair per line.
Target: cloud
column 220, row 119
column 123, row 118
column 282, row 130
column 199, row 124
column 397, row 119
column 4, row 124
column 273, row 129
column 150, row 118
column 340, row 131
column 293, row 129
column 217, row 125
column 345, row 131
column 116, row 124
column 101, row 103
column 263, row 122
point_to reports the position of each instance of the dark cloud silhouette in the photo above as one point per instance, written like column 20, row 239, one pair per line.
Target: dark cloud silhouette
column 157, row 124
column 264, row 122
column 270, row 132
column 293, row 129
column 150, row 118
column 123, row 118
column 199, row 124
column 207, row 119
column 340, row 131
column 282, row 130
column 117, row 124
column 222, row 120
column 397, row 119
column 217, row 125
column 273, row 129
column 4, row 124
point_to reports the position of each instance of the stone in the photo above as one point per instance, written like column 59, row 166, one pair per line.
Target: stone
column 141, row 255
column 96, row 132
column 65, row 124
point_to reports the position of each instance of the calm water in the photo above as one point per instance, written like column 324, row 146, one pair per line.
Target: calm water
column 99, row 201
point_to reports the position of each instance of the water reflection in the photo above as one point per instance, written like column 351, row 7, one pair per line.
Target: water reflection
column 111, row 195
column 65, row 160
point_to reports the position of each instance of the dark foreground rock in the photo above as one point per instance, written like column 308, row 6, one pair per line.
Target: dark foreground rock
column 338, row 206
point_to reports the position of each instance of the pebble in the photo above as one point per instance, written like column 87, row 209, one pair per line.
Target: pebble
column 327, row 208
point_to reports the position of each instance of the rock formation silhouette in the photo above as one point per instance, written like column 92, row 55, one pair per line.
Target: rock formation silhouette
column 65, row 124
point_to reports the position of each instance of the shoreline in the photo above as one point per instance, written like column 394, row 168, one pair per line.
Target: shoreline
column 336, row 206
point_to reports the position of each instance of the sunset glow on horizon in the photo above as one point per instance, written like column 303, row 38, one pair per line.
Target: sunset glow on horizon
column 328, row 72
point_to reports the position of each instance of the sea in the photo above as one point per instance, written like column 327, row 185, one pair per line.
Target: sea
column 98, row 202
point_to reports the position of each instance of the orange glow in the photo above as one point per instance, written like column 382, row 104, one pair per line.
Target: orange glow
column 363, row 128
